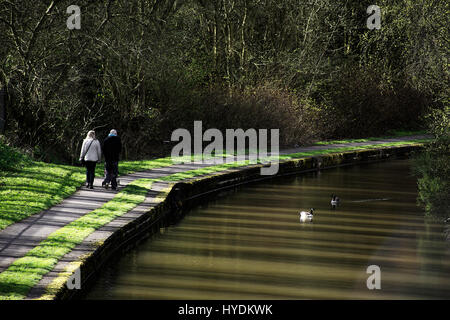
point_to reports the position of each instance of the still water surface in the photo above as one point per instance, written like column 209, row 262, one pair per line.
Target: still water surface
column 250, row 244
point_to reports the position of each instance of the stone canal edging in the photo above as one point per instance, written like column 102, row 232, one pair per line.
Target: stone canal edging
column 168, row 206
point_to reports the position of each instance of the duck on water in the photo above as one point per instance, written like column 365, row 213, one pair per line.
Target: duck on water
column 306, row 216
column 334, row 201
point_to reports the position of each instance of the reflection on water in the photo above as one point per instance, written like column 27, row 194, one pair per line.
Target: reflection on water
column 250, row 244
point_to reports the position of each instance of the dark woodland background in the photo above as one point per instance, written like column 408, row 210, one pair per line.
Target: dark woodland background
column 145, row 67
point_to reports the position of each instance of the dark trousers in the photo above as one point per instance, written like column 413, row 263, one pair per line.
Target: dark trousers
column 90, row 171
column 112, row 171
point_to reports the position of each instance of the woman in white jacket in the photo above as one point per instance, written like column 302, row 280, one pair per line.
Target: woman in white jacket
column 91, row 153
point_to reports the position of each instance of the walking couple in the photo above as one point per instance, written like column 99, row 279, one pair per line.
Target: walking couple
column 91, row 153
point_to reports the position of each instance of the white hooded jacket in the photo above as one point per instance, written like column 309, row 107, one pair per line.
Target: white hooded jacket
column 94, row 153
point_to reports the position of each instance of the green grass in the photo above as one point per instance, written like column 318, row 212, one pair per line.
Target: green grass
column 25, row 272
column 127, row 167
column 353, row 148
column 391, row 135
column 35, row 187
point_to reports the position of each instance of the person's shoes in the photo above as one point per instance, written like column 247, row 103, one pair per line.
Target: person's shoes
column 87, row 184
column 104, row 185
column 114, row 188
column 91, row 186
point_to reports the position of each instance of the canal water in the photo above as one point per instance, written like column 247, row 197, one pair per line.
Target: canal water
column 249, row 243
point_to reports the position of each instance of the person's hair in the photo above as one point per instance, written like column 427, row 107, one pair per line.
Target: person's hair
column 91, row 135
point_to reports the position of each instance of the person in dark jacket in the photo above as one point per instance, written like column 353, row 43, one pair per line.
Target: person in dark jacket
column 112, row 146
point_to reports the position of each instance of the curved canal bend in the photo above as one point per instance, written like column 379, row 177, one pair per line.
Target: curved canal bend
column 250, row 244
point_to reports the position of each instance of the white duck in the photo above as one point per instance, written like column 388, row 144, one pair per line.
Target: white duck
column 306, row 216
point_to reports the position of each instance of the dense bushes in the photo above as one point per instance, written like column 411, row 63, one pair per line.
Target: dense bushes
column 264, row 107
column 361, row 103
column 433, row 168
column 10, row 158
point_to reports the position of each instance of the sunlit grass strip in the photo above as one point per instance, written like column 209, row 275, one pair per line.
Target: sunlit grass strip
column 395, row 134
column 25, row 272
column 52, row 289
column 353, row 148
column 204, row 171
column 222, row 167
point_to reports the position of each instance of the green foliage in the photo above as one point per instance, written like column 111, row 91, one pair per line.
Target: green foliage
column 10, row 158
column 433, row 168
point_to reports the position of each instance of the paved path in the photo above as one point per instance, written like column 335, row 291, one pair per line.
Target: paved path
column 17, row 239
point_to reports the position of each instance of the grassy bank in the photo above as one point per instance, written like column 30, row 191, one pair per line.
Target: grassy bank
column 352, row 148
column 393, row 134
column 36, row 186
column 25, row 272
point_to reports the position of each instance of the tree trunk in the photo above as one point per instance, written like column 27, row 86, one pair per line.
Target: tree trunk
column 227, row 42
column 244, row 19
column 2, row 110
